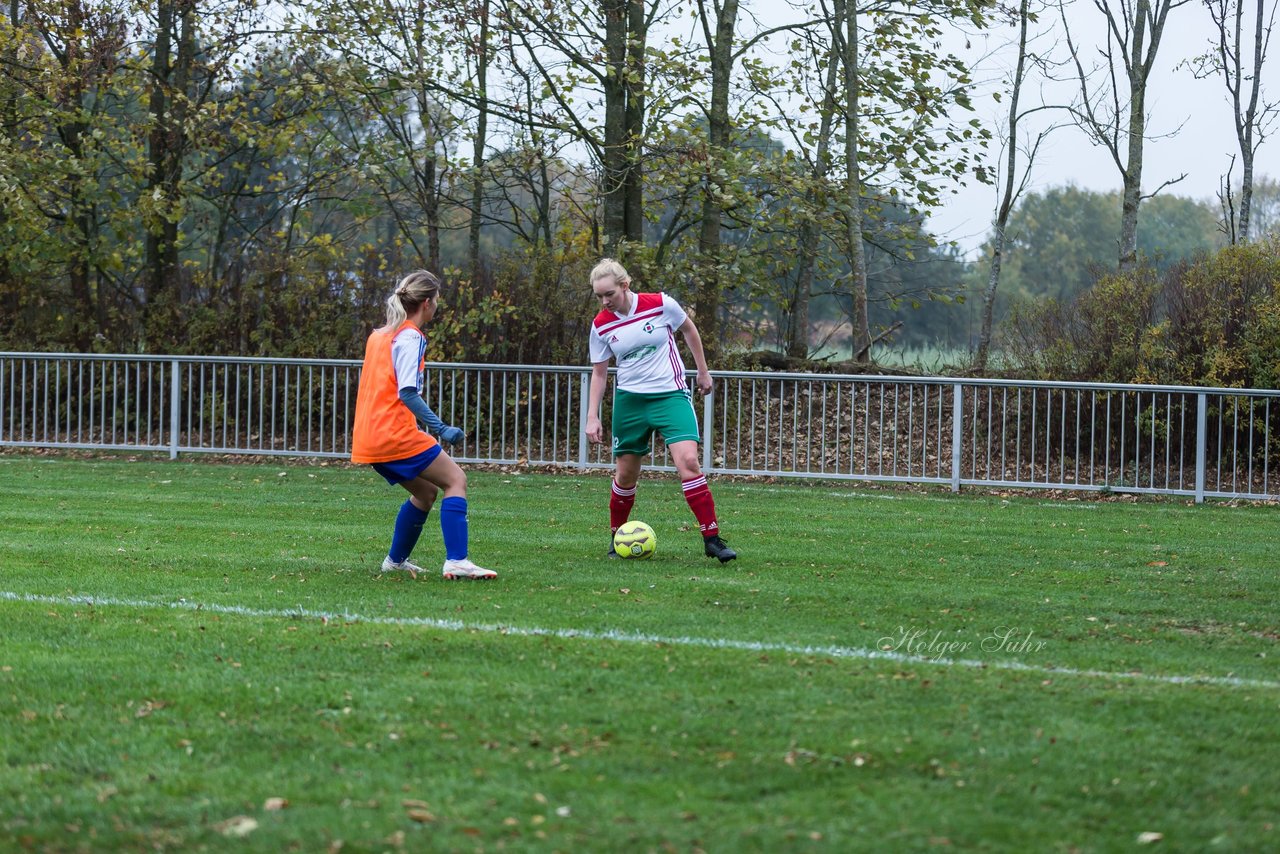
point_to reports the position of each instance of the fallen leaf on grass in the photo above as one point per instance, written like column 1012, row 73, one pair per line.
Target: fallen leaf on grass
column 1147, row 837
column 148, row 707
column 1158, row 563
column 275, row 804
column 237, row 826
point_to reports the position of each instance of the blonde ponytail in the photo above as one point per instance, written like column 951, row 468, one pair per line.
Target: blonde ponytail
column 412, row 291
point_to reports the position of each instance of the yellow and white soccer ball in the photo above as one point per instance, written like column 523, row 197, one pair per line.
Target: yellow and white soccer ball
column 635, row 539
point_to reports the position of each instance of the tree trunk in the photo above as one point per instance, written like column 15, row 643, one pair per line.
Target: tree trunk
column 634, row 119
column 171, row 78
column 426, row 167
column 1247, row 123
column 431, row 201
column 710, row 280
column 853, row 215
column 161, row 74
column 1132, row 172
column 84, row 310
column 614, row 177
column 989, row 298
column 797, row 344
column 544, row 199
column 10, row 301
column 478, row 149
column 1006, row 199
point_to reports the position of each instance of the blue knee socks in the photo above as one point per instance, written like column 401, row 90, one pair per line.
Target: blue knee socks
column 408, row 528
column 453, row 526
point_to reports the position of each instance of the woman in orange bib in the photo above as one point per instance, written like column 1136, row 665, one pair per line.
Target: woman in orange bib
column 386, row 434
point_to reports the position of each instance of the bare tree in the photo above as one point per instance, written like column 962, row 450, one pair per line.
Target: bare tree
column 1239, row 59
column 1014, row 184
column 625, row 32
column 480, row 136
column 1112, row 105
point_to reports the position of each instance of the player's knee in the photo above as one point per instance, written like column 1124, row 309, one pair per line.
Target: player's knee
column 687, row 465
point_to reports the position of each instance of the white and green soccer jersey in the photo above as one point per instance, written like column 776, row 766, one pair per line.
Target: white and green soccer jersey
column 644, row 344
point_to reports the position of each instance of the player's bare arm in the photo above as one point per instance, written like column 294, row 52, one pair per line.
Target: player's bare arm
column 693, row 341
column 595, row 395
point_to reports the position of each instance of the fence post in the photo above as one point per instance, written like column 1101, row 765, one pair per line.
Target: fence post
column 957, row 414
column 1202, row 416
column 584, row 381
column 175, row 407
column 708, row 409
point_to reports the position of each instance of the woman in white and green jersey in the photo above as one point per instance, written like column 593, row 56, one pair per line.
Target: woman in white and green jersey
column 638, row 331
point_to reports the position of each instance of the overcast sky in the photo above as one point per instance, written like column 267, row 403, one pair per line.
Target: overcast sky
column 1190, row 125
column 1197, row 113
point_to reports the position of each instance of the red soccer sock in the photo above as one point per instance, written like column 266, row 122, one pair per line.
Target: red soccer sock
column 698, row 494
column 620, row 506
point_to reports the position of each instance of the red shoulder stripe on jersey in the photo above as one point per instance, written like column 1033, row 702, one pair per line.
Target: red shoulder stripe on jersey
column 609, row 327
column 644, row 302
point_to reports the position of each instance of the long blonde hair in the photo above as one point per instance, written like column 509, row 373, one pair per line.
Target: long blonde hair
column 412, row 291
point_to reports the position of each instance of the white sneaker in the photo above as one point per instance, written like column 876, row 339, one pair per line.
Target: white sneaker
column 455, row 569
column 403, row 566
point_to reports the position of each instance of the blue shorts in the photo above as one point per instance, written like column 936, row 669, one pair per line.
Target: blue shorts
column 399, row 471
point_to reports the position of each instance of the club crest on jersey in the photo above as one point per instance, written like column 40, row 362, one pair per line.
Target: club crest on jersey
column 648, row 327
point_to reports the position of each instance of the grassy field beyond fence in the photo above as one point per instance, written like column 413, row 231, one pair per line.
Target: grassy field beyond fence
column 196, row 656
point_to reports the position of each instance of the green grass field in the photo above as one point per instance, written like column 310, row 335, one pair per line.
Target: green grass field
column 196, row 657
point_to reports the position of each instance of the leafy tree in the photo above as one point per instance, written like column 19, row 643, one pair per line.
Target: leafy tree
column 1061, row 239
column 65, row 146
column 895, row 104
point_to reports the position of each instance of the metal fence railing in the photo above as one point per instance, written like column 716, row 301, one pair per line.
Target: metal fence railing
column 1176, row 440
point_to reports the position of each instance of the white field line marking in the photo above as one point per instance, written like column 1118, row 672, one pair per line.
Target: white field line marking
column 845, row 652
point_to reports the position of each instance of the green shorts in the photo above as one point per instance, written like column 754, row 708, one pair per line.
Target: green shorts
column 637, row 416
